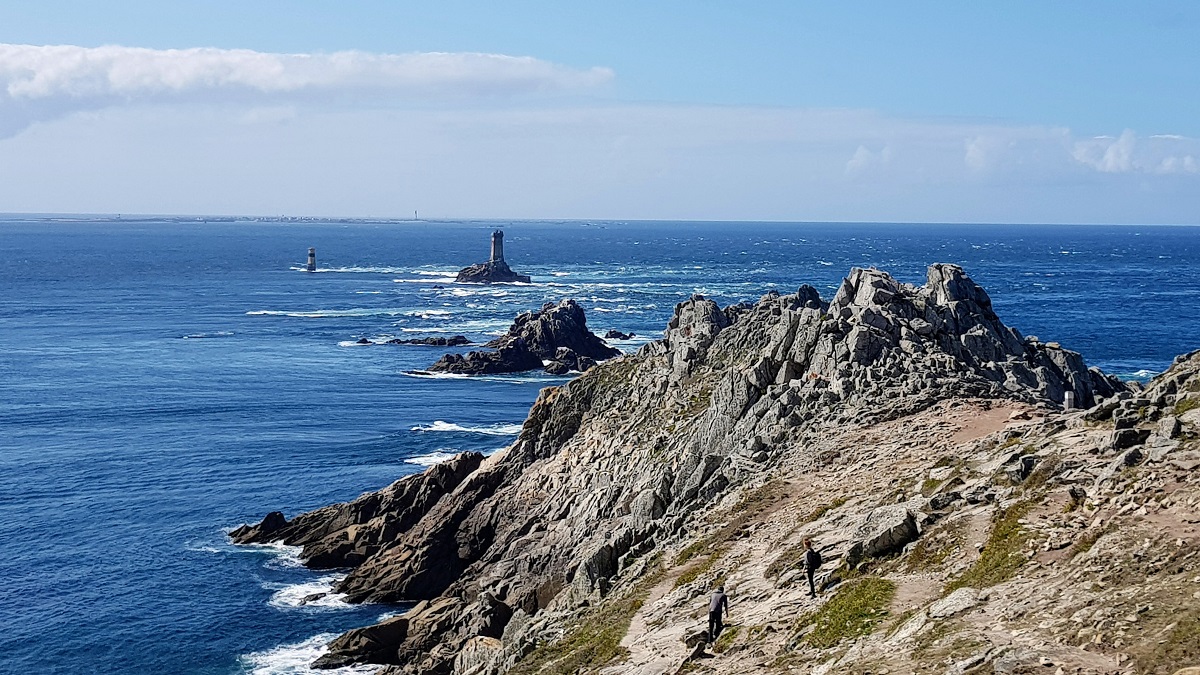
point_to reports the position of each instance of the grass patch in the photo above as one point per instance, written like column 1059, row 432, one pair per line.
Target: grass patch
column 1179, row 648
column 593, row 640
column 725, row 639
column 691, row 551
column 852, row 612
column 1042, row 473
column 820, row 511
column 929, row 485
column 1086, row 541
column 1014, row 440
column 699, row 569
column 1001, row 556
column 1185, row 405
column 932, row 549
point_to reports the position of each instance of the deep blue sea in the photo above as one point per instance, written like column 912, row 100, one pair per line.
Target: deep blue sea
column 163, row 381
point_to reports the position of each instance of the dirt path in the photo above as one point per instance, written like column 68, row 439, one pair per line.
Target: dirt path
column 652, row 652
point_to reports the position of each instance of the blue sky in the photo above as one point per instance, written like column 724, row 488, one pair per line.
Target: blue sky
column 930, row 111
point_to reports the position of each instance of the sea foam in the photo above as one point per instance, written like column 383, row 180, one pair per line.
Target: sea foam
column 297, row 658
column 490, row 429
column 291, row 596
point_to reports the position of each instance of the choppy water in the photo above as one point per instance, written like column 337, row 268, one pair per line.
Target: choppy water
column 164, row 381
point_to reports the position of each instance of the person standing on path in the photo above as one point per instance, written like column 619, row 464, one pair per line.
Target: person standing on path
column 718, row 608
column 812, row 562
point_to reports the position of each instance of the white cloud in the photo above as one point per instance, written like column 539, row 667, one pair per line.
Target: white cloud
column 40, row 82
column 1157, row 154
column 551, row 159
column 864, row 160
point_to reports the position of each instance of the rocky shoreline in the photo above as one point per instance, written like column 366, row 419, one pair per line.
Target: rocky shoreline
column 918, row 439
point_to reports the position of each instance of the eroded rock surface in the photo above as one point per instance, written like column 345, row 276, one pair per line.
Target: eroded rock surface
column 893, row 424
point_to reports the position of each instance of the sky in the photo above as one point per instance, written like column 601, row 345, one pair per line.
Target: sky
column 1023, row 111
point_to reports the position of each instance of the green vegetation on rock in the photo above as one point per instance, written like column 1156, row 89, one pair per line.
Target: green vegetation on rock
column 725, row 639
column 595, row 639
column 1186, row 404
column 1001, row 556
column 853, row 611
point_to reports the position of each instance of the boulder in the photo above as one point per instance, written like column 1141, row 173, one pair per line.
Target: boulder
column 1122, row 439
column 370, row 644
column 884, row 530
column 476, row 655
column 956, row 603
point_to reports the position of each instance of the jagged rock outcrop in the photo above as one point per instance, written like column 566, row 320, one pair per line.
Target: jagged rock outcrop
column 344, row 535
column 556, row 338
column 623, row 461
column 491, row 272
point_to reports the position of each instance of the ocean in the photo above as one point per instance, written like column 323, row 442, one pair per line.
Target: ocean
column 165, row 380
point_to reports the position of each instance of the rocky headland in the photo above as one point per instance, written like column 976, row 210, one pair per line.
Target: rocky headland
column 968, row 522
column 555, row 338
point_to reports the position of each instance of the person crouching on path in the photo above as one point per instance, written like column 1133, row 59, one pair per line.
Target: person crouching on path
column 812, row 562
column 718, row 607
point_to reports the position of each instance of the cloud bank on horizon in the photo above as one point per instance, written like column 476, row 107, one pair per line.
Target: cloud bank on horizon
column 490, row 143
column 40, row 82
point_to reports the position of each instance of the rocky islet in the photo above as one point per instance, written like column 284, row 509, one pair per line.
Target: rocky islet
column 906, row 428
column 555, row 338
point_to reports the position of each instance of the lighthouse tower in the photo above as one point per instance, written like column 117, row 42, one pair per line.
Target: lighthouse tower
column 497, row 246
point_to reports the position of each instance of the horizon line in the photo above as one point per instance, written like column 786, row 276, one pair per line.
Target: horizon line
column 144, row 217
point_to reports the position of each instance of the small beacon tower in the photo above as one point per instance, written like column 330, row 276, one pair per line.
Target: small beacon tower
column 312, row 259
column 497, row 246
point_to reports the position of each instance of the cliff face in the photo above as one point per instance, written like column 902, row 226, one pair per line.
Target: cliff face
column 881, row 423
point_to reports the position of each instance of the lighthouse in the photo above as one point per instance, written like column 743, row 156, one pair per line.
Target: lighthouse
column 312, row 259
column 497, row 246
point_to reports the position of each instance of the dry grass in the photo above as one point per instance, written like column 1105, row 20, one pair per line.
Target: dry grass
column 595, row 639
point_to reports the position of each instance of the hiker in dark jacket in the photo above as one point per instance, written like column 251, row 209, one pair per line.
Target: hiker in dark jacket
column 718, row 607
column 812, row 561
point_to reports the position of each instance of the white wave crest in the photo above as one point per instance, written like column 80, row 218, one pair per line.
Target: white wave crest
column 426, row 375
column 430, row 280
column 432, row 458
column 354, row 270
column 490, row 430
column 328, row 313
column 430, row 313
column 539, row 379
column 291, row 596
column 203, row 336
column 296, row 658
